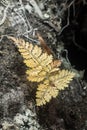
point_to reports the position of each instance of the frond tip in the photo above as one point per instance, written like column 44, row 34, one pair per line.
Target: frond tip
column 42, row 68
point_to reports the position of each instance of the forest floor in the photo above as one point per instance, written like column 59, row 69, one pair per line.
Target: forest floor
column 54, row 21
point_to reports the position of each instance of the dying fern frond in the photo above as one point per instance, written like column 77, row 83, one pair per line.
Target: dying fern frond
column 44, row 45
column 50, row 87
column 42, row 68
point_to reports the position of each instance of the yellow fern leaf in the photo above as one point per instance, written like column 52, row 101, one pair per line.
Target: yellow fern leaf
column 44, row 93
column 35, row 59
column 50, row 88
column 62, row 78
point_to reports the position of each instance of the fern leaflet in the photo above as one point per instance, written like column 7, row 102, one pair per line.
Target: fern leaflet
column 50, row 87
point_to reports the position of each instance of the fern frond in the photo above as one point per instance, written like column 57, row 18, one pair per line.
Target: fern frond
column 43, row 68
column 50, row 88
